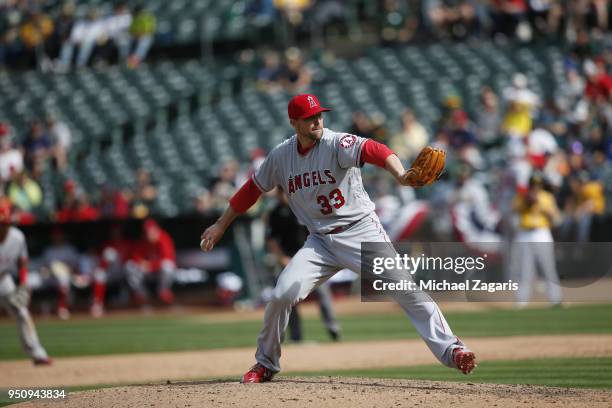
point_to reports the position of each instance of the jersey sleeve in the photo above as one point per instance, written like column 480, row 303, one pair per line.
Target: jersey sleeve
column 23, row 246
column 348, row 148
column 265, row 176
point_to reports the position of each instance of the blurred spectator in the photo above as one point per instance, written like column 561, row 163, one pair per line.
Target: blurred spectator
column 509, row 18
column 67, row 206
column 203, row 201
column 546, row 17
column 462, row 132
column 295, row 76
column 85, row 210
column 541, row 144
column 63, row 27
column 153, row 258
column 61, row 138
column 37, row 28
column 519, row 92
column 84, row 36
column 399, row 22
column 76, row 206
column 11, row 159
column 599, row 82
column 145, row 194
column 586, row 205
column 522, row 102
column 11, row 46
column 261, row 12
column 488, row 119
column 325, row 14
column 37, row 147
column 224, row 185
column 24, row 192
column 142, row 31
column 411, row 138
column 292, row 11
column 362, row 125
column 269, row 76
column 114, row 203
column 474, row 217
column 450, row 18
column 118, row 30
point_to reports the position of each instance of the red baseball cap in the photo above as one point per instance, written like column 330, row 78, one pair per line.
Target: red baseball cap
column 5, row 211
column 150, row 224
column 304, row 106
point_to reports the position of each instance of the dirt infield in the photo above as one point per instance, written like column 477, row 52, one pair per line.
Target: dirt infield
column 334, row 392
column 159, row 367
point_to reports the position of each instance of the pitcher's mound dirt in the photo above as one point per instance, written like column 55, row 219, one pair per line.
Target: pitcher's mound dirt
column 334, row 392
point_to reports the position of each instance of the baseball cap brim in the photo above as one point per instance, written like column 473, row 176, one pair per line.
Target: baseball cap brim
column 314, row 111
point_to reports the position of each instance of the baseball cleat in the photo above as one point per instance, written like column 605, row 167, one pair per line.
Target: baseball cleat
column 166, row 296
column 257, row 374
column 42, row 361
column 465, row 361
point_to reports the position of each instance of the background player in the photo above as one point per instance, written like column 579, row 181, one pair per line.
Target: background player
column 14, row 257
column 319, row 171
column 533, row 244
column 153, row 257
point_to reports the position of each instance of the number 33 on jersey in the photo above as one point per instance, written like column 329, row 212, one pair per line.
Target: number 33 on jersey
column 323, row 185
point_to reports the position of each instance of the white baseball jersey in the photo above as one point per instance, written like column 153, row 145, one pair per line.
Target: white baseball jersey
column 11, row 249
column 323, row 185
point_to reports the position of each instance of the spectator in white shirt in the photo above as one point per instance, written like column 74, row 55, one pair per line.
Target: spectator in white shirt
column 11, row 159
column 61, row 138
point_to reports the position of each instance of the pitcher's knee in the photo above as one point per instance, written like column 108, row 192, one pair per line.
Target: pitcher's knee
column 285, row 297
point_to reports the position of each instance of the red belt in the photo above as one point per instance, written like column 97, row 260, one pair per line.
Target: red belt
column 342, row 228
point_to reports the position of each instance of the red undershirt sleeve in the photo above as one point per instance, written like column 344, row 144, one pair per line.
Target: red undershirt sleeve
column 23, row 275
column 375, row 153
column 244, row 198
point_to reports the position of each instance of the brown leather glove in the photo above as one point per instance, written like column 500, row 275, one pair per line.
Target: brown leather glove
column 426, row 168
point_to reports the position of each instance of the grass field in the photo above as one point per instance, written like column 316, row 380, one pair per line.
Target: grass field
column 169, row 333
column 556, row 372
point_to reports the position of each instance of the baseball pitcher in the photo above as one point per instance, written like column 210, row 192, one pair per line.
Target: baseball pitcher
column 319, row 170
column 14, row 257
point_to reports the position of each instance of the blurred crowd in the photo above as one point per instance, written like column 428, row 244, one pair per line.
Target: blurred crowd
column 513, row 143
column 46, row 147
column 400, row 22
column 62, row 36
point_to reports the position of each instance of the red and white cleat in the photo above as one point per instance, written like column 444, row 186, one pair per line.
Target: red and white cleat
column 257, row 374
column 464, row 360
column 45, row 361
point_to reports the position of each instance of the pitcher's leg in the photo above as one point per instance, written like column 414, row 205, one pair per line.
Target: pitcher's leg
column 431, row 325
column 310, row 267
column 420, row 308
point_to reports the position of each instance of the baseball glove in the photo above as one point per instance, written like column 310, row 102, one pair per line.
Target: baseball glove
column 426, row 168
column 20, row 297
